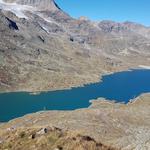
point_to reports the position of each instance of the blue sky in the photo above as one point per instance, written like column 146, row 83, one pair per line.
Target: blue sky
column 116, row 10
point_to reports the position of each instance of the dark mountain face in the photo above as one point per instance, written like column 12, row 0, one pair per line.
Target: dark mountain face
column 42, row 47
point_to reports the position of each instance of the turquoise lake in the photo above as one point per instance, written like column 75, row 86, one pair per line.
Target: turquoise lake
column 121, row 86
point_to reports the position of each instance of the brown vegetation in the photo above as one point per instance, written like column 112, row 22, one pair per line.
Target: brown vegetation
column 49, row 138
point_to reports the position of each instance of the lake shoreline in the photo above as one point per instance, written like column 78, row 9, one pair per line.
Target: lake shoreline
column 104, row 120
column 36, row 92
column 22, row 103
column 93, row 104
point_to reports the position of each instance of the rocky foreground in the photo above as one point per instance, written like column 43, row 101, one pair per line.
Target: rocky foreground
column 104, row 125
column 50, row 138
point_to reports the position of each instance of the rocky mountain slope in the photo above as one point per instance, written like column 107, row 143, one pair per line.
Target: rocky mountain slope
column 43, row 48
column 114, row 125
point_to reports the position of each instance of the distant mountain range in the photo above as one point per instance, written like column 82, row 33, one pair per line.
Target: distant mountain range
column 43, row 48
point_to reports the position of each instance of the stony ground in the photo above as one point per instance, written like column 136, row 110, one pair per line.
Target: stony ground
column 49, row 138
column 121, row 126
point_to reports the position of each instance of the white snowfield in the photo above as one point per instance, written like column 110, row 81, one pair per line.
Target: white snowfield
column 145, row 67
column 17, row 9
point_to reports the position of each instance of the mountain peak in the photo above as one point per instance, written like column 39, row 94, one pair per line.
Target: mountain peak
column 39, row 4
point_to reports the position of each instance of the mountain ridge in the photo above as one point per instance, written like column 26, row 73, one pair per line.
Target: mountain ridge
column 40, row 4
column 58, row 51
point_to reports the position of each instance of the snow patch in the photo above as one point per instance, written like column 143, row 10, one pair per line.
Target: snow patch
column 19, row 10
column 45, row 29
column 15, row 8
column 48, row 19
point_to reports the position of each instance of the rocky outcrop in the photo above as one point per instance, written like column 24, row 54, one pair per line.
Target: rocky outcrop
column 39, row 4
column 53, row 139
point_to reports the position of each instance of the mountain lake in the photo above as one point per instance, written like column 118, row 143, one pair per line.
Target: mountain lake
column 121, row 87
